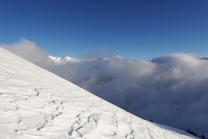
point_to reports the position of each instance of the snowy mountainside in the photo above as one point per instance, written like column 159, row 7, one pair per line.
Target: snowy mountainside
column 36, row 104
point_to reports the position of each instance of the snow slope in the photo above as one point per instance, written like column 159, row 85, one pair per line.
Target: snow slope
column 36, row 104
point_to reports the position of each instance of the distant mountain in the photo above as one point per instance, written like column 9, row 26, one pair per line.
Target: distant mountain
column 204, row 57
column 37, row 104
column 64, row 59
column 161, row 59
column 67, row 59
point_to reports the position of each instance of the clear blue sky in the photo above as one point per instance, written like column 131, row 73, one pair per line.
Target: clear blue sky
column 130, row 28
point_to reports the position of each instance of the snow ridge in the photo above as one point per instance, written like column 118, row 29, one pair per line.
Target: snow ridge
column 67, row 59
column 35, row 103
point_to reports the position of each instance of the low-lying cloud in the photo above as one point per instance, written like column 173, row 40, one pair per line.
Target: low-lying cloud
column 28, row 50
column 170, row 90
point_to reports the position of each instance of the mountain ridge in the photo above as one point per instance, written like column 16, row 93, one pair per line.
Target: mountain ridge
column 66, row 59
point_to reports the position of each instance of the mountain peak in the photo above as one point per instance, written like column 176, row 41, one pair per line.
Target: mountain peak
column 68, row 59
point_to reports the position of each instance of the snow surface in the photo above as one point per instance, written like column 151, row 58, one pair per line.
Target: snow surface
column 36, row 104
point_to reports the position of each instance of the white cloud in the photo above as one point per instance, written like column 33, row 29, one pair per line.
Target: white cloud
column 28, row 50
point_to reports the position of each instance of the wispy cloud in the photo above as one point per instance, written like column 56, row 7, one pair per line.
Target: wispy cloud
column 171, row 89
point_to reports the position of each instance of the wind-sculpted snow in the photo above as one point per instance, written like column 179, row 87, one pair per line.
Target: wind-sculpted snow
column 36, row 104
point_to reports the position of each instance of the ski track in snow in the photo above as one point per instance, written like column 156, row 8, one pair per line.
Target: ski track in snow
column 36, row 104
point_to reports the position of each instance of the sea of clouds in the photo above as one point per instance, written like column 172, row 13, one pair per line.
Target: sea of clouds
column 171, row 89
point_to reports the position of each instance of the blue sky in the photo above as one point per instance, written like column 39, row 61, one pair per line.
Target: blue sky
column 132, row 29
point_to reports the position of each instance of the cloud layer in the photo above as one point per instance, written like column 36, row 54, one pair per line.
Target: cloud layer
column 170, row 90
column 28, row 50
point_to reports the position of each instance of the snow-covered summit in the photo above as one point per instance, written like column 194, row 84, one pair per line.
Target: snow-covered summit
column 36, row 104
column 64, row 59
column 67, row 59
